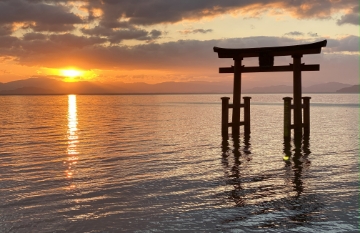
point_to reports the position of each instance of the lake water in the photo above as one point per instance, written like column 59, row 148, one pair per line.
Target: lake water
column 157, row 163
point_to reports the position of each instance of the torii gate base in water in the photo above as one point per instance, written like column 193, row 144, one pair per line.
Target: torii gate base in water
column 301, row 120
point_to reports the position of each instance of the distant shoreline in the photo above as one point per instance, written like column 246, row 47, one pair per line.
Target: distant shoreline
column 46, row 86
column 272, row 93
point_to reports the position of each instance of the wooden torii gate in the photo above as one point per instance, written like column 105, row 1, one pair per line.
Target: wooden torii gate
column 266, row 64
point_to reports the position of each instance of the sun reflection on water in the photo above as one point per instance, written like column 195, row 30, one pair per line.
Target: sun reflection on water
column 73, row 137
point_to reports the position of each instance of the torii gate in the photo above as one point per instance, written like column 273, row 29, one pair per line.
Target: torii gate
column 266, row 64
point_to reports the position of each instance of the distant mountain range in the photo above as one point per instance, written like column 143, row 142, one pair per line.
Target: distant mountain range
column 47, row 86
column 52, row 86
column 351, row 89
column 330, row 87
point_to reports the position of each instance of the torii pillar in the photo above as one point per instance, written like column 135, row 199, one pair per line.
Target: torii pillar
column 236, row 96
column 297, row 92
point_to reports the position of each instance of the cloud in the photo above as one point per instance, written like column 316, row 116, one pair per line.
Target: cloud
column 312, row 34
column 38, row 15
column 40, row 27
column 346, row 44
column 119, row 20
column 194, row 31
column 91, row 53
column 116, row 36
column 47, row 47
column 150, row 12
column 351, row 18
column 73, row 41
column 294, row 33
column 5, row 29
column 137, row 34
column 7, row 44
column 184, row 57
column 34, row 36
column 297, row 33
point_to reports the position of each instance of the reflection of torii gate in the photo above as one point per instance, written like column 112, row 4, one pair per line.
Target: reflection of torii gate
column 266, row 64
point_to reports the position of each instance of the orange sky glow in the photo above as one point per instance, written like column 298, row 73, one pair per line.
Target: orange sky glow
column 131, row 42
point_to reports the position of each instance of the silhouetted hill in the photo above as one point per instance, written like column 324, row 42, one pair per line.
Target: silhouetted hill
column 52, row 86
column 28, row 91
column 177, row 87
column 45, row 83
column 351, row 89
column 80, row 88
column 49, row 86
column 270, row 89
column 326, row 87
column 330, row 87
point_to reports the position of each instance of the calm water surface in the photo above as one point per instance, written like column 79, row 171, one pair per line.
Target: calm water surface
column 157, row 163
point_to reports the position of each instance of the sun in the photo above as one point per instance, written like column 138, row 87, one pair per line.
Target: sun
column 71, row 74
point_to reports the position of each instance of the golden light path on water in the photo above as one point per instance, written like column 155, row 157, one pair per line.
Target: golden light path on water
column 73, row 138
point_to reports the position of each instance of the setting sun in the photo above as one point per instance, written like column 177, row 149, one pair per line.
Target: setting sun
column 71, row 73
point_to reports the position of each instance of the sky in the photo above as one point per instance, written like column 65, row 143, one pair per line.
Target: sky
column 157, row 41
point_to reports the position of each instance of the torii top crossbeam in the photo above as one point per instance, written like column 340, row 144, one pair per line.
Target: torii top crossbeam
column 312, row 48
